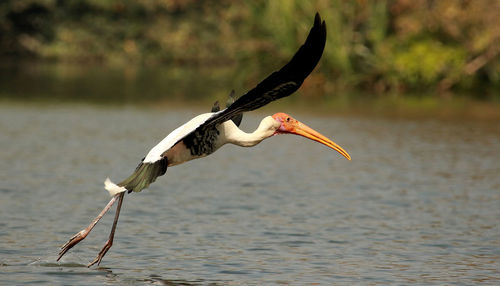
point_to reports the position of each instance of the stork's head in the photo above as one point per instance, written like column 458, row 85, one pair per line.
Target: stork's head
column 289, row 125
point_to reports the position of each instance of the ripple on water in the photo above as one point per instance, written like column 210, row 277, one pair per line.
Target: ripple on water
column 417, row 205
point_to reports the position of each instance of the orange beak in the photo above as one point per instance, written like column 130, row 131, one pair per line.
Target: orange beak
column 304, row 130
column 293, row 126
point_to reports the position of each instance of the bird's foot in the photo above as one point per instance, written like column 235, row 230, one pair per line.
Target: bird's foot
column 74, row 240
column 101, row 254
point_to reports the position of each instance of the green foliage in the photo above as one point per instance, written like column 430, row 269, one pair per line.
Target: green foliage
column 426, row 62
column 381, row 46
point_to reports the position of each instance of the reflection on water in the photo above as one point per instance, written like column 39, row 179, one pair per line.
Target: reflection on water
column 417, row 205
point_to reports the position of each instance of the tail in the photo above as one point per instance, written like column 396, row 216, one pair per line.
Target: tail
column 143, row 176
column 113, row 188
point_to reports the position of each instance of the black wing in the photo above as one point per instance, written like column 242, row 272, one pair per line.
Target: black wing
column 280, row 83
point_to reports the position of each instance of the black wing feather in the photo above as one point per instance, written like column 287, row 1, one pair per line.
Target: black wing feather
column 230, row 100
column 238, row 117
column 215, row 107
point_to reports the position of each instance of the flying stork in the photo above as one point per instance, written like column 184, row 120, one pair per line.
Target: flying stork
column 205, row 133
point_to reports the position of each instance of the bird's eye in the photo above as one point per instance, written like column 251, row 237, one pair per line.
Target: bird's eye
column 288, row 119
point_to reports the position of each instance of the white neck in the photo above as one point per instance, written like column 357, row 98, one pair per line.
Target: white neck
column 234, row 135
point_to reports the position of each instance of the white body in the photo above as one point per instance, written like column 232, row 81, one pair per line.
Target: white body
column 228, row 133
column 178, row 153
column 176, row 135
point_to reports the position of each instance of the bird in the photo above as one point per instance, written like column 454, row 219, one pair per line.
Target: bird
column 207, row 132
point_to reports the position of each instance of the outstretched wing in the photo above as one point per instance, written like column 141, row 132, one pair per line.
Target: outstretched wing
column 280, row 83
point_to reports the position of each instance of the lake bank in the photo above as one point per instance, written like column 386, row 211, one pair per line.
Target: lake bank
column 198, row 88
column 426, row 108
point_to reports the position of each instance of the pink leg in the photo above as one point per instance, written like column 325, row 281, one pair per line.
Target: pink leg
column 109, row 243
column 83, row 233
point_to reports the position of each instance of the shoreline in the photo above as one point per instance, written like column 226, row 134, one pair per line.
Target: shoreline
column 400, row 108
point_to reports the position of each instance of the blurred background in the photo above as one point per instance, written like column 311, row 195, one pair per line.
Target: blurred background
column 407, row 58
column 410, row 88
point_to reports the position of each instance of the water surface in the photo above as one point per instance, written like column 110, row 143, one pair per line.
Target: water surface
column 418, row 204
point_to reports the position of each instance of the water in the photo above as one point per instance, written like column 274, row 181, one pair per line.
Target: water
column 419, row 203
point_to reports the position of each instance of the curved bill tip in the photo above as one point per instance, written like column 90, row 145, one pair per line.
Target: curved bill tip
column 305, row 131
